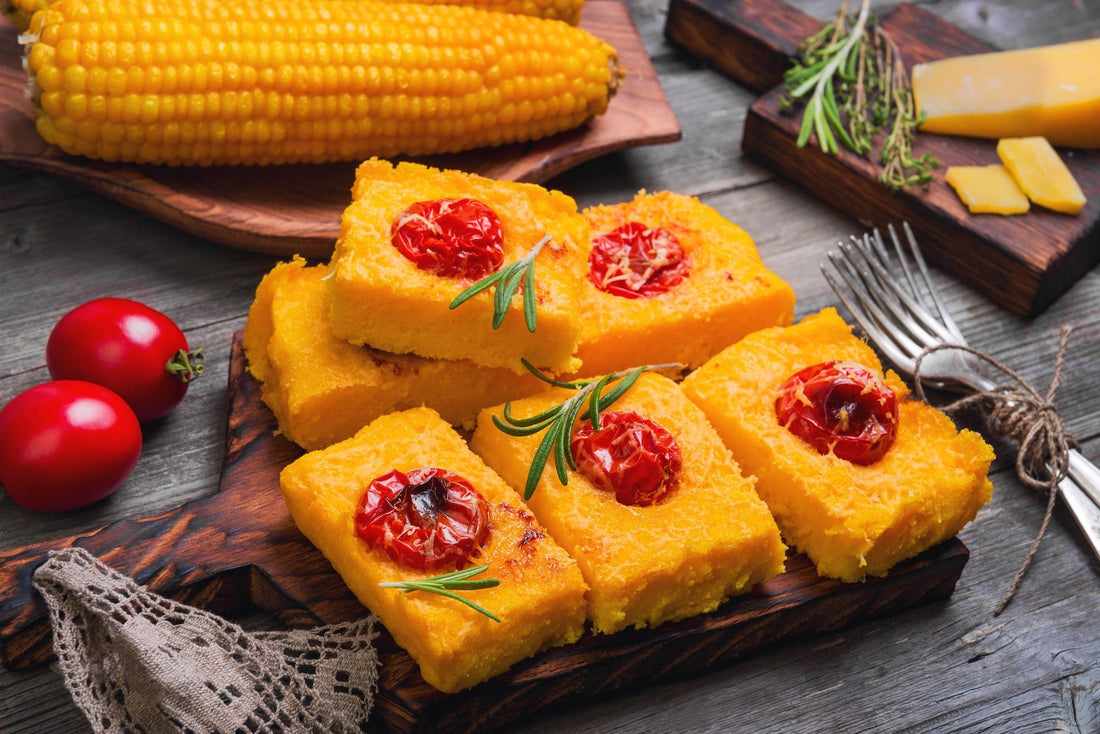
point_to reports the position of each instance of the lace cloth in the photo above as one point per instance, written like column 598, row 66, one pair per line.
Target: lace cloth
column 135, row 661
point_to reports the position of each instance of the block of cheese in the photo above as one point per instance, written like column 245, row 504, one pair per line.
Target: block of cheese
column 987, row 189
column 1041, row 173
column 540, row 599
column 323, row 389
column 1052, row 91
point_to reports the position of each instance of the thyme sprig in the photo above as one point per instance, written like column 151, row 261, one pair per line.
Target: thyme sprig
column 590, row 400
column 505, row 283
column 850, row 77
column 446, row 584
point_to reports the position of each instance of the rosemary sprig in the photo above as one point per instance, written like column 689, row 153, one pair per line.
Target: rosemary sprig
column 830, row 53
column 505, row 282
column 446, row 584
column 590, row 400
column 854, row 87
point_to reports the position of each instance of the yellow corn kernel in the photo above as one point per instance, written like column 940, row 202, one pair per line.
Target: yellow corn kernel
column 313, row 81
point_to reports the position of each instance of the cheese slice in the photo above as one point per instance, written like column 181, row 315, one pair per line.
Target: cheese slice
column 1041, row 174
column 987, row 189
column 1052, row 91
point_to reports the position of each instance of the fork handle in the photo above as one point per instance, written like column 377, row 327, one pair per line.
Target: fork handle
column 1085, row 475
column 1085, row 512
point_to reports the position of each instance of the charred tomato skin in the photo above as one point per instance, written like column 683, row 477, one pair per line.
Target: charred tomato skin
column 425, row 519
column 841, row 408
column 451, row 238
column 630, row 456
column 636, row 261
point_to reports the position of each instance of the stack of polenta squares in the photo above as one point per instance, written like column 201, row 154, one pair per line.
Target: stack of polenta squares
column 340, row 344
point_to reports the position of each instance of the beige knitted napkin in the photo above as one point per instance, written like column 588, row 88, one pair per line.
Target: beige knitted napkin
column 135, row 661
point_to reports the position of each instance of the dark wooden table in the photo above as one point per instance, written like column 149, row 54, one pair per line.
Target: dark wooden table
column 950, row 667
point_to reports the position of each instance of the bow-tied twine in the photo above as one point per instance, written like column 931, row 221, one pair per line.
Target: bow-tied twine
column 1020, row 412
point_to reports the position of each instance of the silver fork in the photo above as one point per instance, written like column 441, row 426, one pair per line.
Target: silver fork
column 904, row 314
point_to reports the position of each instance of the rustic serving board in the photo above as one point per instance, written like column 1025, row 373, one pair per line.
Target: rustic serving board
column 1021, row 262
column 238, row 549
column 287, row 210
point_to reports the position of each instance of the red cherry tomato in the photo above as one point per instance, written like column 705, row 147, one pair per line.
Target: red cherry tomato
column 840, row 407
column 453, row 238
column 126, row 346
column 65, row 444
column 630, row 456
column 425, row 519
column 635, row 261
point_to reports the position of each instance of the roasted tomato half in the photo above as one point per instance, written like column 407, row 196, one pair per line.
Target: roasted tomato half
column 635, row 261
column 630, row 456
column 424, row 519
column 842, row 408
column 453, row 238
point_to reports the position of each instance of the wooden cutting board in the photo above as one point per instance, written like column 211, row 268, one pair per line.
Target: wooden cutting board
column 238, row 548
column 1021, row 262
column 287, row 210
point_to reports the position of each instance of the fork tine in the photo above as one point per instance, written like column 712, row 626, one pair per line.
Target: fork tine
column 871, row 252
column 867, row 313
column 914, row 288
column 941, row 307
column 920, row 322
column 897, row 312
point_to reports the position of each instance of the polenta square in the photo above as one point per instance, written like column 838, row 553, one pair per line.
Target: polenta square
column 669, row 279
column 323, row 389
column 851, row 519
column 413, row 469
column 415, row 237
column 666, row 528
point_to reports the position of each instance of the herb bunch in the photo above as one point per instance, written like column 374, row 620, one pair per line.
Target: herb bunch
column 447, row 584
column 592, row 398
column 850, row 77
column 505, row 282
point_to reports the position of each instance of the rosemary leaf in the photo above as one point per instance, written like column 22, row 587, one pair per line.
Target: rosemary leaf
column 529, row 299
column 446, row 584
column 544, row 417
column 807, row 126
column 547, row 378
column 483, row 284
column 520, row 430
column 538, row 463
column 594, row 402
column 505, row 283
column 470, row 603
column 627, row 382
column 564, row 458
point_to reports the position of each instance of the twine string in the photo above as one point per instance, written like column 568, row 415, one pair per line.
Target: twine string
column 1019, row 412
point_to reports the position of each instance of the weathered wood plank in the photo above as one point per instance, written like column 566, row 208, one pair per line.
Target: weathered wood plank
column 952, row 668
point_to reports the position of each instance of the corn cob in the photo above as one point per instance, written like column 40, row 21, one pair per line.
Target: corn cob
column 20, row 11
column 201, row 82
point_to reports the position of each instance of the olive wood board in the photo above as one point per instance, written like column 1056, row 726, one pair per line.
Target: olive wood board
column 238, row 549
column 1021, row 262
column 295, row 209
